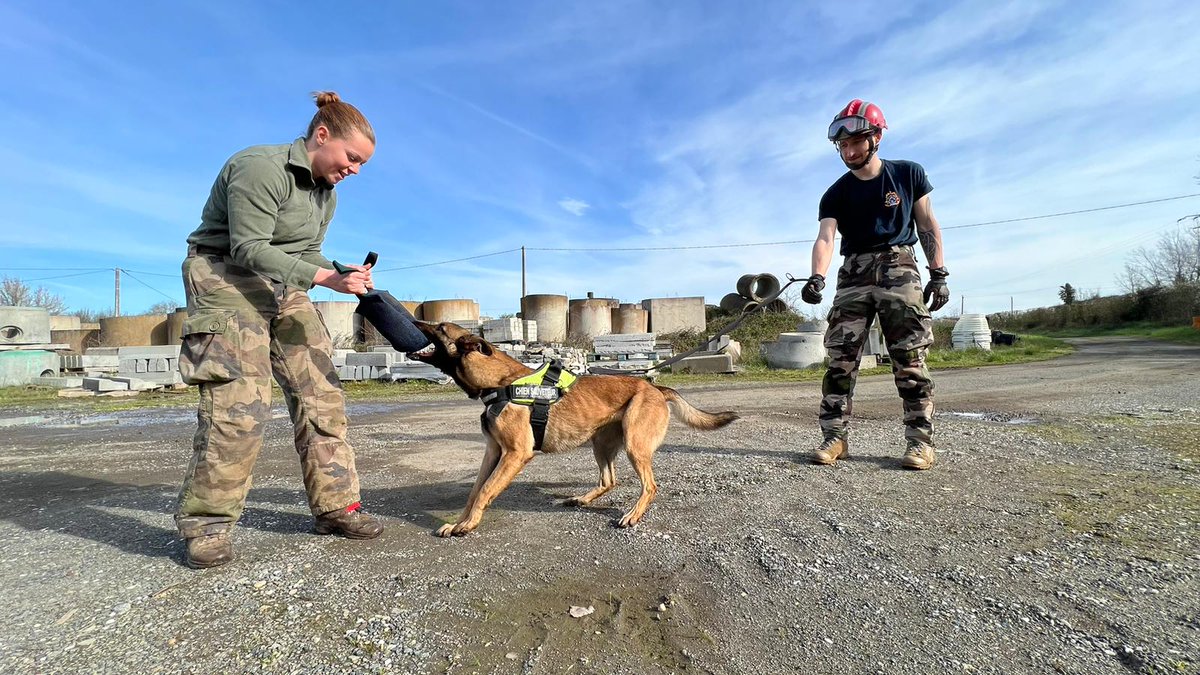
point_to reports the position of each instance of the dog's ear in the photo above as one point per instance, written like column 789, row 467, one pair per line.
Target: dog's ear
column 471, row 343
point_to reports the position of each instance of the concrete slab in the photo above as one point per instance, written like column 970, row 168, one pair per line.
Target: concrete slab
column 714, row 363
column 102, row 384
column 137, row 384
column 58, row 382
column 147, row 352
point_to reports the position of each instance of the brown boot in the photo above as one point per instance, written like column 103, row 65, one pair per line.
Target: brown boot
column 918, row 456
column 351, row 522
column 209, row 550
column 831, row 450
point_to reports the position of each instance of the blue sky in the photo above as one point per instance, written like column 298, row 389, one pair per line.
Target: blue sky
column 599, row 125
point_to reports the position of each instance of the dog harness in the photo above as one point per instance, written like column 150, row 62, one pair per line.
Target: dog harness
column 540, row 389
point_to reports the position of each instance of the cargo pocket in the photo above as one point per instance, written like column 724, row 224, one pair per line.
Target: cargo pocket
column 211, row 350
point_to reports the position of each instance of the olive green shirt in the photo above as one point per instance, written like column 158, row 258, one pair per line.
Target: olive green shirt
column 267, row 210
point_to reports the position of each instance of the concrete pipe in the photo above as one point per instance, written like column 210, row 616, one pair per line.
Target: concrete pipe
column 175, row 325
column 79, row 340
column 733, row 303
column 758, row 286
column 339, row 316
column 453, row 311
column 589, row 318
column 133, row 331
column 630, row 318
column 795, row 351
column 550, row 313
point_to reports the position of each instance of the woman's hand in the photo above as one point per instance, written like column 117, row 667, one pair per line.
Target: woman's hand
column 357, row 282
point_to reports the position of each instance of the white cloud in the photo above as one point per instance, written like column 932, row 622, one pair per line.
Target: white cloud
column 574, row 206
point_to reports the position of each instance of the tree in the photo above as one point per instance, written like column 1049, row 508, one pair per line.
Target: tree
column 17, row 293
column 1067, row 293
column 164, row 307
column 1174, row 260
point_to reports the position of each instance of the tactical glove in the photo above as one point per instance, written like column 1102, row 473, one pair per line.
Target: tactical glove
column 937, row 293
column 811, row 293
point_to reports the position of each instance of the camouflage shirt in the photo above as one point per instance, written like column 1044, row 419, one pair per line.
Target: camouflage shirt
column 267, row 210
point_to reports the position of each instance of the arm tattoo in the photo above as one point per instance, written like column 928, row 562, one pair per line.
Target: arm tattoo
column 929, row 244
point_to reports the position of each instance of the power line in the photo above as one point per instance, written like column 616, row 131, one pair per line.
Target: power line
column 150, row 287
column 66, row 276
column 1073, row 213
column 443, row 262
column 55, row 269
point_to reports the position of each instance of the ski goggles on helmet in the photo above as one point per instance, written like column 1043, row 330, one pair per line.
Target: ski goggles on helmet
column 849, row 126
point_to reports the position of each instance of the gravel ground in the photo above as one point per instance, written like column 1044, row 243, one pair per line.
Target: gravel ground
column 1058, row 533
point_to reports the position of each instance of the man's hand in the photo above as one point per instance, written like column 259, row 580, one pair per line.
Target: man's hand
column 937, row 293
column 811, row 293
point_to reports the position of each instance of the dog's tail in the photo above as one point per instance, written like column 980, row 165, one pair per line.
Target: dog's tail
column 695, row 417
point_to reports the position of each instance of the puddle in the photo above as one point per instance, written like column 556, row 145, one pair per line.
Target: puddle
column 993, row 417
column 22, row 421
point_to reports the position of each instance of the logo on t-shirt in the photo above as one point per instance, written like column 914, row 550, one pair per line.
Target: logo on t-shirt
column 891, row 199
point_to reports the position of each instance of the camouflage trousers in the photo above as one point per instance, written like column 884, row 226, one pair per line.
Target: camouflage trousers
column 884, row 284
column 241, row 329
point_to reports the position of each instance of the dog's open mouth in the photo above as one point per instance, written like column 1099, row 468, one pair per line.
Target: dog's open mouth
column 424, row 352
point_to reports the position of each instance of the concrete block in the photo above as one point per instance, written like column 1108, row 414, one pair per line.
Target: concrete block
column 58, row 382
column 148, row 352
column 627, row 343
column 102, row 384
column 64, row 322
column 99, row 361
column 868, row 361
column 713, row 363
column 75, row 393
column 20, row 366
column 509, row 330
column 103, row 351
column 380, row 359
column 136, row 384
column 668, row 315
column 24, row 325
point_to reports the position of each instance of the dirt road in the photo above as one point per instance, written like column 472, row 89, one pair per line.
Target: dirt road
column 1059, row 532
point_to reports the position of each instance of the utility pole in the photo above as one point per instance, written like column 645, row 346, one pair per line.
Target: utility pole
column 962, row 306
column 1011, row 306
column 117, row 292
column 521, row 306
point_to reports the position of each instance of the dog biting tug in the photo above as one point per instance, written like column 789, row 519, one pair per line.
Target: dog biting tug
column 551, row 410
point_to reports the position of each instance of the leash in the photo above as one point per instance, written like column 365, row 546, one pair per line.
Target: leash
column 746, row 312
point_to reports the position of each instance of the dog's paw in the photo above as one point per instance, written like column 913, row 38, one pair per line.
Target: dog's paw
column 628, row 520
column 454, row 529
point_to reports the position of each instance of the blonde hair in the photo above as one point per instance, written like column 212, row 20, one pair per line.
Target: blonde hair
column 339, row 117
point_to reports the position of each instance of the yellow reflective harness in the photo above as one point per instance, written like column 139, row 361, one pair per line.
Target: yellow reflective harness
column 540, row 389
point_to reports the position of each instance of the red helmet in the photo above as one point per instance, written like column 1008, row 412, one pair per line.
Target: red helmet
column 857, row 118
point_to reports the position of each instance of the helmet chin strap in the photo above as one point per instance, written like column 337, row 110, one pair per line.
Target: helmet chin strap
column 867, row 159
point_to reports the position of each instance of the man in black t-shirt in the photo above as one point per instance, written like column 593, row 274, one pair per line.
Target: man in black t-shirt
column 881, row 208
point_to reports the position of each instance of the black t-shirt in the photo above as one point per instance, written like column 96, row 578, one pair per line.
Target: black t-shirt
column 875, row 214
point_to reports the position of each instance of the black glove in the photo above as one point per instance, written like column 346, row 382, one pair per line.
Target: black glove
column 937, row 293
column 811, row 293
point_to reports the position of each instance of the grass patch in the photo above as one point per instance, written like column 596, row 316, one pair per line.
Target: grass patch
column 1176, row 334
column 1030, row 348
column 1115, row 506
column 46, row 398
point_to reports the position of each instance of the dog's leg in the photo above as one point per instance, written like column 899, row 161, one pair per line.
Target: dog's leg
column 506, row 468
column 645, row 425
column 490, row 459
column 605, row 446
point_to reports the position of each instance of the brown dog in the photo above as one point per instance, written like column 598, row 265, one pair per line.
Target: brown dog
column 612, row 411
